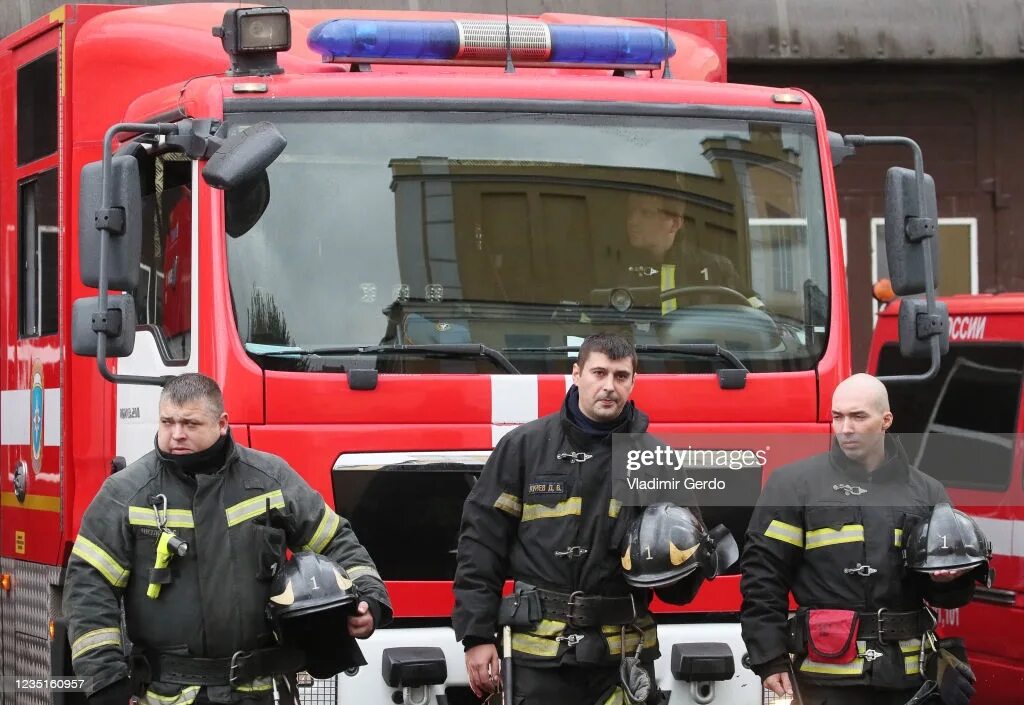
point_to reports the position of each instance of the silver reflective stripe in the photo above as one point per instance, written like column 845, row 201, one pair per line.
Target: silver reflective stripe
column 614, row 507
column 107, row 636
column 254, row 507
column 357, row 570
column 184, row 697
column 787, row 533
column 570, row 507
column 102, row 561
column 260, row 685
column 324, row 531
column 176, row 518
column 510, row 504
column 849, row 533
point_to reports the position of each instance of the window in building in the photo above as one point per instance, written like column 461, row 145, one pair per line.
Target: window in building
column 958, row 255
column 37, row 108
column 37, row 255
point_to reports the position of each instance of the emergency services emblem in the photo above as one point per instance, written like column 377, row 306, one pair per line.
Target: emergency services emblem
column 36, row 416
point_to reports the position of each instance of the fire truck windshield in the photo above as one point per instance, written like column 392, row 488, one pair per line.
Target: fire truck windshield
column 526, row 232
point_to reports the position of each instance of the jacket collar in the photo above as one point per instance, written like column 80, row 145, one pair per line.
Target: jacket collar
column 895, row 467
column 230, row 455
column 634, row 421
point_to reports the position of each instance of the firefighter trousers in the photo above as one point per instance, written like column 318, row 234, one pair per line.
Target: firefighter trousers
column 852, row 695
column 573, row 685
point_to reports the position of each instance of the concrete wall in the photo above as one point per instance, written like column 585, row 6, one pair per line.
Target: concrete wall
column 759, row 30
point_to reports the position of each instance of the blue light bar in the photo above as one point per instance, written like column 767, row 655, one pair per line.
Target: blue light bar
column 484, row 41
column 604, row 44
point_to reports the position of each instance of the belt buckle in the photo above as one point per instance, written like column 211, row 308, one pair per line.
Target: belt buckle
column 236, row 666
column 570, row 612
column 880, row 629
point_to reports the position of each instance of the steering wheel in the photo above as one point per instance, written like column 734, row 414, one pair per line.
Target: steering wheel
column 722, row 292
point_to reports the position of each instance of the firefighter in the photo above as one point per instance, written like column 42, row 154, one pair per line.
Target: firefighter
column 667, row 258
column 542, row 513
column 187, row 541
column 831, row 530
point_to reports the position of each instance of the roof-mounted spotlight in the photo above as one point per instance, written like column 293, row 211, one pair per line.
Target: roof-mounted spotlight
column 252, row 36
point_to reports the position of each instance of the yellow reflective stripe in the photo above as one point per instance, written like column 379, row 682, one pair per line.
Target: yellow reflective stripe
column 787, row 533
column 910, row 646
column 570, row 507
column 632, row 639
column 849, row 533
column 898, row 538
column 548, row 627
column 854, row 668
column 534, row 645
column 911, row 665
column 614, row 507
column 253, row 507
column 259, row 685
column 510, row 504
column 184, row 697
column 324, row 531
column 668, row 281
column 356, row 570
column 99, row 559
column 616, row 698
column 107, row 636
column 176, row 518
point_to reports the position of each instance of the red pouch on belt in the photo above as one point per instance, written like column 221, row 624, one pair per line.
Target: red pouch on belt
column 832, row 635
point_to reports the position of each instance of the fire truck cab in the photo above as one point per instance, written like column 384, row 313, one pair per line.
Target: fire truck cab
column 965, row 427
column 385, row 235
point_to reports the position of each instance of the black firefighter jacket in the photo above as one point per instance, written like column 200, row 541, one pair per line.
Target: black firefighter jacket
column 215, row 603
column 832, row 533
column 533, row 501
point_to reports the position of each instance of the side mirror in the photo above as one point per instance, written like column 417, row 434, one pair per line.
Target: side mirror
column 123, row 218
column 910, row 228
column 917, row 327
column 117, row 323
column 244, row 155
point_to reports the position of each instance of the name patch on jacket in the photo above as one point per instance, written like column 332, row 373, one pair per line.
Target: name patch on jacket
column 555, row 487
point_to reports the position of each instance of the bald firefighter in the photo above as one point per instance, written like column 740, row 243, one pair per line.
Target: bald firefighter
column 831, row 530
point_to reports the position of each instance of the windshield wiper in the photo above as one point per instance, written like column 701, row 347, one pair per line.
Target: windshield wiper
column 734, row 378
column 696, row 349
column 465, row 350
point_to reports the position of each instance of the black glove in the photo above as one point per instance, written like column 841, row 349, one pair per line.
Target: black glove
column 955, row 678
column 117, row 693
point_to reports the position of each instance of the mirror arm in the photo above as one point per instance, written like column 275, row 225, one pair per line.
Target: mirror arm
column 106, row 215
column 198, row 138
column 918, row 228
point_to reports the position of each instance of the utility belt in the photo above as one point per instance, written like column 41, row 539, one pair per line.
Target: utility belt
column 810, row 629
column 241, row 668
column 528, row 605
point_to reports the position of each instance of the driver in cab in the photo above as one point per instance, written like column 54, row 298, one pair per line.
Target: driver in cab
column 662, row 258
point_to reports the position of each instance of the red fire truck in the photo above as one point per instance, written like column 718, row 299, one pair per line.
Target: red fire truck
column 964, row 426
column 385, row 235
